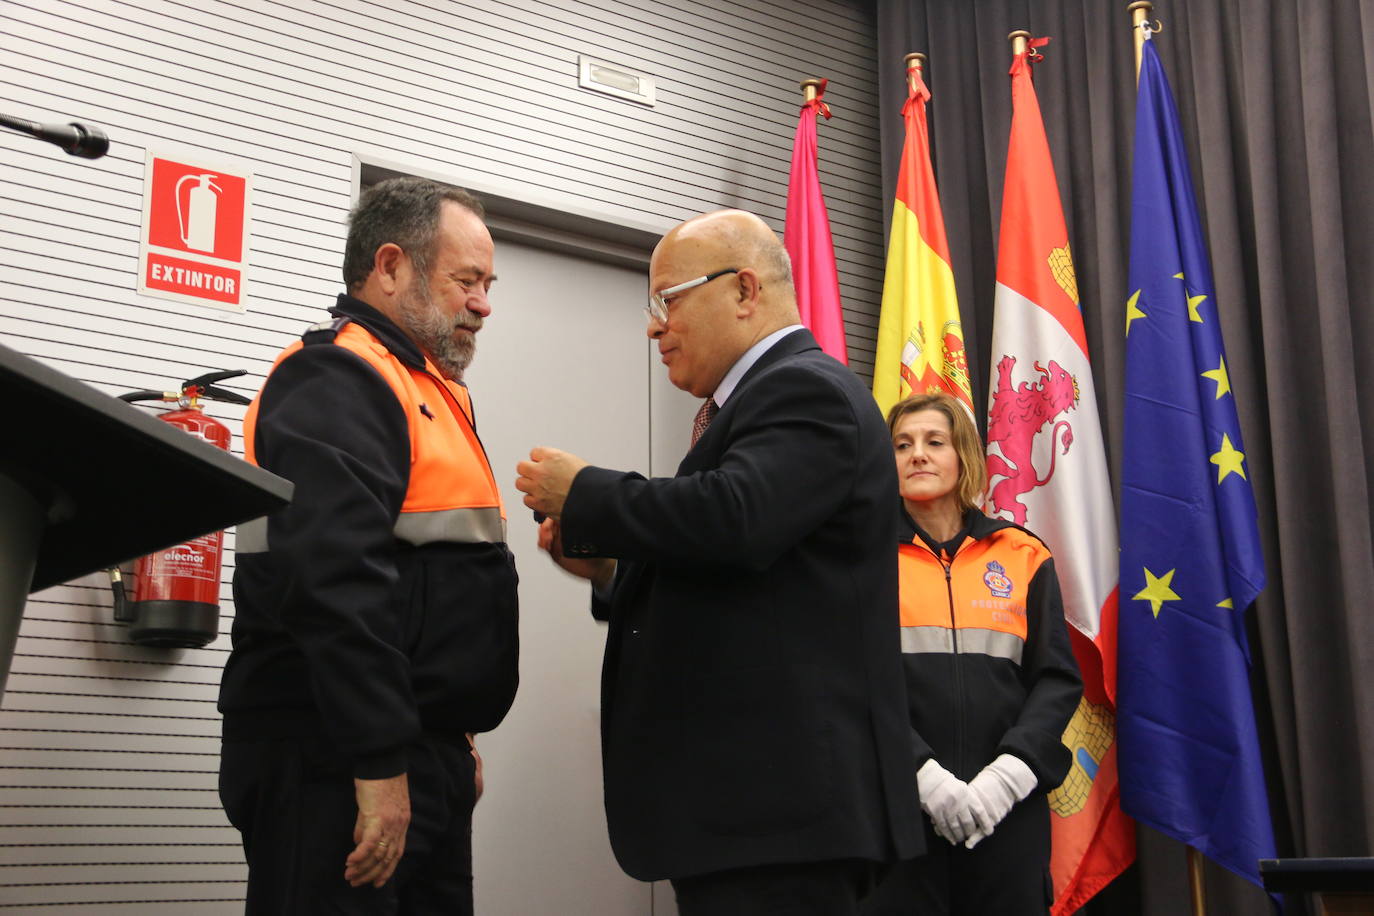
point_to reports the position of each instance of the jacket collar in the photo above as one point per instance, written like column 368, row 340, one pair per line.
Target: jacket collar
column 976, row 527
column 381, row 327
column 798, row 341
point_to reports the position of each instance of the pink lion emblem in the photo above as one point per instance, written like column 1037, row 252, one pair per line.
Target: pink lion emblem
column 1016, row 416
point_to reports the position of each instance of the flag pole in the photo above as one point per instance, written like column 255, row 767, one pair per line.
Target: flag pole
column 915, row 67
column 1196, row 890
column 1140, row 15
column 809, row 88
column 1018, row 41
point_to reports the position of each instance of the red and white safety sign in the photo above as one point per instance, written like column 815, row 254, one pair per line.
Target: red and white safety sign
column 195, row 231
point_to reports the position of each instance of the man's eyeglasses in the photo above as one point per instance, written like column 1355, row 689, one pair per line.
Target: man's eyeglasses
column 658, row 302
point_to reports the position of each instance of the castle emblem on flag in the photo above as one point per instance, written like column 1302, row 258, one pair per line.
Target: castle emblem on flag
column 1016, row 416
column 997, row 581
column 1060, row 263
column 1089, row 736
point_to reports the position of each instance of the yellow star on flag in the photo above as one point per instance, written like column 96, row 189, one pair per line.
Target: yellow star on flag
column 1193, row 302
column 1132, row 312
column 1156, row 590
column 1228, row 460
column 1219, row 376
column 1227, row 603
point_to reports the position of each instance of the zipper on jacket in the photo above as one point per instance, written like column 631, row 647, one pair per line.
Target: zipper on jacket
column 954, row 659
column 470, row 420
column 947, row 565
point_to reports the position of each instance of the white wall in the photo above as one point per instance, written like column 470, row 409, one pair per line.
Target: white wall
column 109, row 751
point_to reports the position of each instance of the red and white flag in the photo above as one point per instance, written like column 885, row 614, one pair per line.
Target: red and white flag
column 1047, row 470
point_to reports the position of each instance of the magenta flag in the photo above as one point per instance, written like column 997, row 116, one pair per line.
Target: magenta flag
column 806, row 234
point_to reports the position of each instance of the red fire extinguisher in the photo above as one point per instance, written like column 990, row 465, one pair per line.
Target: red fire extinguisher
column 173, row 598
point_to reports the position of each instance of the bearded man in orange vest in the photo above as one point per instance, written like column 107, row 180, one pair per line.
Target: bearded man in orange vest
column 376, row 616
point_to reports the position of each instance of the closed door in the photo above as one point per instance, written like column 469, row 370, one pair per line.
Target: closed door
column 562, row 361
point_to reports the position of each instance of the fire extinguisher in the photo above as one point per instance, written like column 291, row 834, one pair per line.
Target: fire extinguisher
column 173, row 598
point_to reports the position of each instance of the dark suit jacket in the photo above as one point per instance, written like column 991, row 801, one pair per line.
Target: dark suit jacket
column 753, row 704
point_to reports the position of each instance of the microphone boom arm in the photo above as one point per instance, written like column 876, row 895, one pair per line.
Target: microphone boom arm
column 75, row 139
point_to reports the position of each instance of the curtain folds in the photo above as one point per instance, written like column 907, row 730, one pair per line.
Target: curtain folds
column 1277, row 103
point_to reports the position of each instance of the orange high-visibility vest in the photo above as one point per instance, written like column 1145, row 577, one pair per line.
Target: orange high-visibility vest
column 451, row 494
column 977, row 602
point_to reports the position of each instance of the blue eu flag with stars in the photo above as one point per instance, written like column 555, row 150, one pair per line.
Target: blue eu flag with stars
column 1190, row 551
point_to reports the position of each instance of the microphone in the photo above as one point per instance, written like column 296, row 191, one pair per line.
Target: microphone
column 74, row 139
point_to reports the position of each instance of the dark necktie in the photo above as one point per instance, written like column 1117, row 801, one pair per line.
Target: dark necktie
column 705, row 415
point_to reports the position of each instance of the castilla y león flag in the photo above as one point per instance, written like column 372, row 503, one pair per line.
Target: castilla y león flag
column 1047, row 470
column 920, row 339
column 806, row 234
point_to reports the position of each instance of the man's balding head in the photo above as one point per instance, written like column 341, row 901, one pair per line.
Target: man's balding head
column 711, row 326
column 739, row 237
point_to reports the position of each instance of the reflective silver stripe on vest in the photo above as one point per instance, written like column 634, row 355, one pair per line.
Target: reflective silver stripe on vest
column 251, row 536
column 971, row 639
column 461, row 526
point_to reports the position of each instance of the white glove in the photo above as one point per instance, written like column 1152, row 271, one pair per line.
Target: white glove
column 947, row 800
column 1001, row 784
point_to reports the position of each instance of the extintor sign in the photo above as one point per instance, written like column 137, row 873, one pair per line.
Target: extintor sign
column 195, row 231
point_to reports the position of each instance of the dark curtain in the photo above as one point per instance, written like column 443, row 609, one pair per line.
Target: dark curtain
column 1276, row 98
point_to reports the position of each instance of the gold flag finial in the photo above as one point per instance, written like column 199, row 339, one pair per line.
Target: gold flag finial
column 1140, row 16
column 809, row 88
column 1018, row 41
column 915, row 66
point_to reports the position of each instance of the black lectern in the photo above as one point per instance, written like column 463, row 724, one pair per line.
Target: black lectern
column 1344, row 886
column 87, row 482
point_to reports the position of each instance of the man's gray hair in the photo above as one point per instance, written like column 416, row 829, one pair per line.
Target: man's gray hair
column 405, row 212
column 774, row 258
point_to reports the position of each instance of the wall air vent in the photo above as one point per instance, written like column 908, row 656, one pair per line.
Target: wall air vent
column 613, row 79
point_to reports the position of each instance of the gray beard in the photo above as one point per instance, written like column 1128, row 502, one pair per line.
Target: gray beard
column 437, row 333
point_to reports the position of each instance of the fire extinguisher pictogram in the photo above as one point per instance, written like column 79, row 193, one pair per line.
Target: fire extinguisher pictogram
column 172, row 599
column 196, row 218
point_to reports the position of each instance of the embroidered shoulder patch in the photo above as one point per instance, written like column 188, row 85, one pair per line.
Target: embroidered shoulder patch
column 997, row 581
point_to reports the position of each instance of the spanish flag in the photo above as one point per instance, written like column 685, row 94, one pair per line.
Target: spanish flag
column 920, row 339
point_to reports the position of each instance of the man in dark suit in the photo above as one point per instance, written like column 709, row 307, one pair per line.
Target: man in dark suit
column 755, row 744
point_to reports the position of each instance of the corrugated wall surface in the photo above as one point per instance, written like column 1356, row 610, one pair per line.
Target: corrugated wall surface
column 108, row 752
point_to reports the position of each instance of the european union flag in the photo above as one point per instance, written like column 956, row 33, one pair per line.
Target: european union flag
column 1190, row 552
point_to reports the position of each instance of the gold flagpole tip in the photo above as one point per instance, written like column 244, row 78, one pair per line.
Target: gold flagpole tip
column 915, row 63
column 1018, row 40
column 809, row 87
column 1140, row 16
